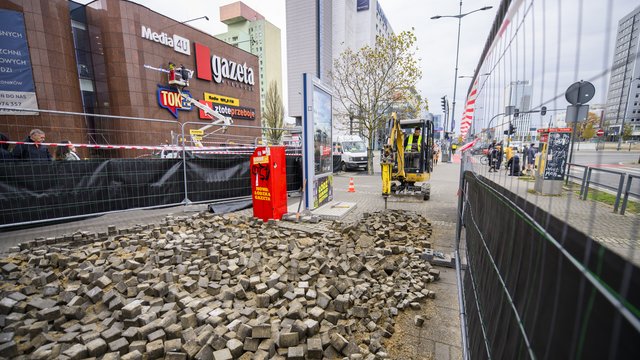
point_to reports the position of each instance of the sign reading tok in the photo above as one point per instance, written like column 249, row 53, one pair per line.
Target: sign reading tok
column 171, row 100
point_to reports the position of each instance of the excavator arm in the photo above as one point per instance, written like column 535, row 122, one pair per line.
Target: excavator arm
column 393, row 152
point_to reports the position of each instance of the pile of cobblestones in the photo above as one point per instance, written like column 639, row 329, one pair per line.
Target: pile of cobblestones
column 215, row 287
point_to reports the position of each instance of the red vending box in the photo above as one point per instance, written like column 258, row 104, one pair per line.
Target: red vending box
column 269, row 182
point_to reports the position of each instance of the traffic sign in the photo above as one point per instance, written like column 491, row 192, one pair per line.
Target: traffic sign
column 580, row 93
column 600, row 132
column 196, row 132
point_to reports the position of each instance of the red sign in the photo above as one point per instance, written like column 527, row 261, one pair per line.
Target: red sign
column 600, row 132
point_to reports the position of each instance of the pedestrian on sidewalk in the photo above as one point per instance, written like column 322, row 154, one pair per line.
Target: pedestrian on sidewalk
column 66, row 152
column 32, row 149
column 495, row 158
column 5, row 154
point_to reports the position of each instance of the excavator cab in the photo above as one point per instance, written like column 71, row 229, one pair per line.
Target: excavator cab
column 407, row 158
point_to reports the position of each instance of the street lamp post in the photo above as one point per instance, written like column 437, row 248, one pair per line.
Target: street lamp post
column 624, row 114
column 455, row 80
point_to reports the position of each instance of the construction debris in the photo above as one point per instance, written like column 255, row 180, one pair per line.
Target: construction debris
column 215, row 287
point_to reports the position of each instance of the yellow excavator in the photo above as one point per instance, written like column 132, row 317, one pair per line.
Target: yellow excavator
column 407, row 158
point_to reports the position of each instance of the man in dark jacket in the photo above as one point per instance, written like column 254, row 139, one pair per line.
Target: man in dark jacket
column 5, row 154
column 33, row 150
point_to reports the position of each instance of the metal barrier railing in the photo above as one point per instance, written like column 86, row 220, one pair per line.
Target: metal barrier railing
column 618, row 190
column 622, row 196
column 627, row 192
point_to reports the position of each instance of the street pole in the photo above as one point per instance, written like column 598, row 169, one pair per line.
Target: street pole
column 455, row 79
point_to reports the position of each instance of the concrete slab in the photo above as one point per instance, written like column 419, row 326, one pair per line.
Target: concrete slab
column 334, row 210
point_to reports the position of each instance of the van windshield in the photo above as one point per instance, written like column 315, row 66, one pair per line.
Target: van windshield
column 353, row 146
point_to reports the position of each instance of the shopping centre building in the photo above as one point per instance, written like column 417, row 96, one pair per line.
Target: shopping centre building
column 112, row 57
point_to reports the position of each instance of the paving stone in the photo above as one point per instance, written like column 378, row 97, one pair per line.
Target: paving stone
column 224, row 354
column 174, row 355
column 288, row 339
column 6, row 305
column 120, row 345
column 133, row 355
column 251, row 344
column 338, row 341
column 295, row 353
column 155, row 349
column 261, row 332
column 10, row 349
column 314, row 348
column 77, row 351
column 235, row 347
column 191, row 348
column 132, row 309
column 97, row 347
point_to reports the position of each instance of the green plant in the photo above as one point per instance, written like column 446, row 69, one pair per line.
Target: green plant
column 610, row 199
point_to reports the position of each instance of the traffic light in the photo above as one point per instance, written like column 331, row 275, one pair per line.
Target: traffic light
column 543, row 111
column 444, row 103
column 512, row 129
column 516, row 113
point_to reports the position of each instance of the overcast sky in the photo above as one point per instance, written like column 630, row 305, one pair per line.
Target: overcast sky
column 437, row 38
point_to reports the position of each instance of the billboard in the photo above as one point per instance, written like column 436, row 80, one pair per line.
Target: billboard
column 316, row 154
column 16, row 78
column 362, row 5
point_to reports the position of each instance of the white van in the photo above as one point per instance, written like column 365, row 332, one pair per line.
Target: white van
column 353, row 152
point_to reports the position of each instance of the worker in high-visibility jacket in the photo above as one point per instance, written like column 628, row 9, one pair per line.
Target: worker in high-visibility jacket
column 413, row 141
column 412, row 147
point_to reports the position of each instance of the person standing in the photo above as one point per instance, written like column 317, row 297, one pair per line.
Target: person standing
column 531, row 159
column 66, row 152
column 32, row 149
column 525, row 156
column 5, row 154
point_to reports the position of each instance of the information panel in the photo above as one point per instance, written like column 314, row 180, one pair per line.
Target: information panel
column 317, row 152
column 557, row 154
column 16, row 78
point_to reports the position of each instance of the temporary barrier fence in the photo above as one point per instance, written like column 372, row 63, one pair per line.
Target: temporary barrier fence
column 538, row 288
column 127, row 170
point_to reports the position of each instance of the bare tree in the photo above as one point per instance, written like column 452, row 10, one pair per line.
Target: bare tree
column 370, row 81
column 273, row 114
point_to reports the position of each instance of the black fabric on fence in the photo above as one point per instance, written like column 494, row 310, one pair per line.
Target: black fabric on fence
column 563, row 315
column 337, row 163
column 33, row 191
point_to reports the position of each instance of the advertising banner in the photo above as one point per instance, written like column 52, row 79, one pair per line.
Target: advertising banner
column 235, row 112
column 16, row 78
column 322, row 190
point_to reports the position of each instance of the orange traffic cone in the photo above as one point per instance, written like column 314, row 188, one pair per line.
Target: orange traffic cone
column 352, row 187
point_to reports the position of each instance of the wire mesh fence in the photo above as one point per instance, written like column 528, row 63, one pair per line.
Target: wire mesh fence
column 552, row 259
column 130, row 163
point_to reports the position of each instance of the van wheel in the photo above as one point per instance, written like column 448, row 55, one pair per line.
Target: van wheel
column 343, row 166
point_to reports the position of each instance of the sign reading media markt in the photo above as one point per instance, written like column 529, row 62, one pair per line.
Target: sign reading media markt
column 16, row 78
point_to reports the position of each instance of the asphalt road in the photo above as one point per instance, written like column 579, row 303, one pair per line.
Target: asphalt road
column 591, row 157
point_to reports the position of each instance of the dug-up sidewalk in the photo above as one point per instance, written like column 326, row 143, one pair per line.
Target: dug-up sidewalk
column 439, row 335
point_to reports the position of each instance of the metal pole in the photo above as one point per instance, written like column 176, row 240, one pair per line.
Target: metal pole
column 455, row 80
column 460, row 211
